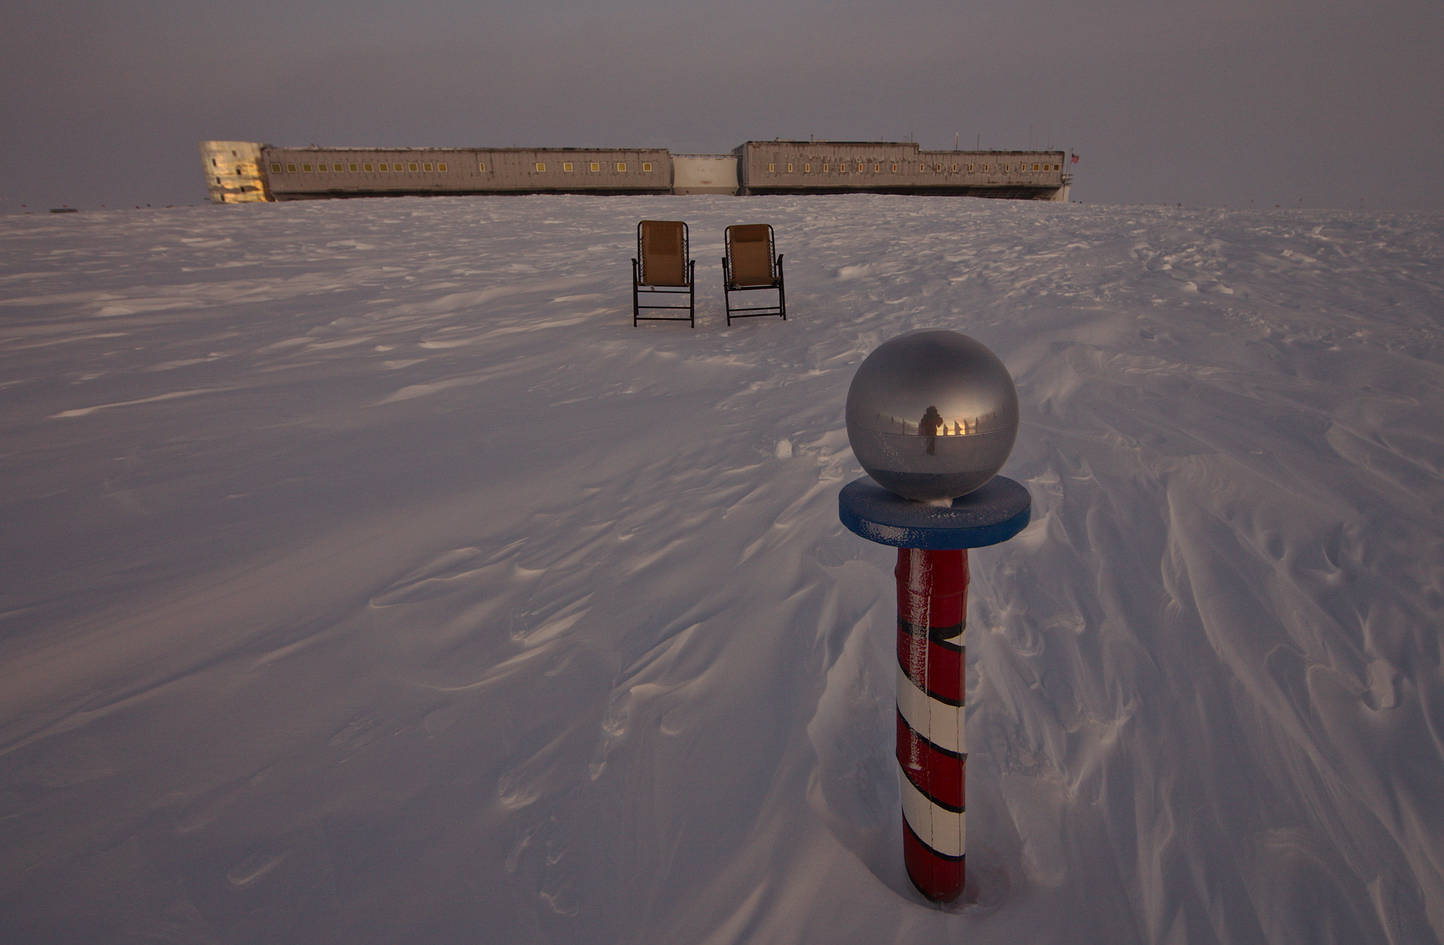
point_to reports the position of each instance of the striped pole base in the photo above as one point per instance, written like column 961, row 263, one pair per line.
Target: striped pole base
column 932, row 748
column 932, row 604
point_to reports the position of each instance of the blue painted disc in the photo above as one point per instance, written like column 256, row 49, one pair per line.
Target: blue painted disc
column 993, row 513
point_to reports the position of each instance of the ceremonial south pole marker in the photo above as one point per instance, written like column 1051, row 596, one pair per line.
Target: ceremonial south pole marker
column 931, row 417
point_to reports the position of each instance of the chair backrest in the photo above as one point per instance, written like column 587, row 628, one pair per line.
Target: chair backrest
column 751, row 260
column 662, row 251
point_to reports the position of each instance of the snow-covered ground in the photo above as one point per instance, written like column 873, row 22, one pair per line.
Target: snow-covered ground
column 366, row 577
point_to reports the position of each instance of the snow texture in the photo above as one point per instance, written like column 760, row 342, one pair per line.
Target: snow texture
column 366, row 577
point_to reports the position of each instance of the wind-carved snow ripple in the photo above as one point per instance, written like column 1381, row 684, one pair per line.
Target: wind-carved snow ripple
column 1289, row 640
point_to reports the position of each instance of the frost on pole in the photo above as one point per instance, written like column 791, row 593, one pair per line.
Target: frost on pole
column 932, row 417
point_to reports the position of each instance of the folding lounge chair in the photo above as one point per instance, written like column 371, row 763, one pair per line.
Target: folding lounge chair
column 662, row 273
column 750, row 264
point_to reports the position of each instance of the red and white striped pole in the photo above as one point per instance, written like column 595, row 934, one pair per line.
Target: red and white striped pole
column 932, row 605
column 932, row 491
column 932, row 746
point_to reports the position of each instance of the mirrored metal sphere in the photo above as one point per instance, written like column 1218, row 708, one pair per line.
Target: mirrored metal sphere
column 932, row 415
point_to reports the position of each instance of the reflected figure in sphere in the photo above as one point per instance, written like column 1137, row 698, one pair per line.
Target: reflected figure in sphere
column 928, row 426
column 955, row 384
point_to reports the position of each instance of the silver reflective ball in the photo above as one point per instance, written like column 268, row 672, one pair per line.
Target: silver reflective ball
column 932, row 415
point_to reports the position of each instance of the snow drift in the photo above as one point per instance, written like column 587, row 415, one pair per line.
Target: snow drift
column 366, row 577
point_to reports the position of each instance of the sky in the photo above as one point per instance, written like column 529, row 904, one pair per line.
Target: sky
column 1330, row 103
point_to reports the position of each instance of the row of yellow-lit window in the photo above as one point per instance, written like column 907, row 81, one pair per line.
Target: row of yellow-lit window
column 594, row 167
column 397, row 167
column 367, row 167
column 939, row 168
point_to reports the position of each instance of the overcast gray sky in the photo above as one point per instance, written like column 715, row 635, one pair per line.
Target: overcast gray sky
column 1326, row 103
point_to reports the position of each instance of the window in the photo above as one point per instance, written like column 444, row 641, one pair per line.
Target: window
column 367, row 167
column 426, row 167
column 970, row 168
column 789, row 167
column 306, row 168
column 291, row 168
column 337, row 168
column 411, row 167
column 877, row 168
column 568, row 167
column 541, row 167
column 275, row 168
column 807, row 168
column 938, row 167
column 894, row 167
column 481, row 166
column 353, row 168
column 826, row 167
column 955, row 168
column 595, row 167
column 383, row 168
column 1035, row 167
column 772, row 168
column 441, row 166
column 859, row 167
column 320, row 168
column 646, row 167
column 621, row 167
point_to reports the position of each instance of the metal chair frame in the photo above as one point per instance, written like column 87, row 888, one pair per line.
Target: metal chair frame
column 777, row 282
column 663, row 291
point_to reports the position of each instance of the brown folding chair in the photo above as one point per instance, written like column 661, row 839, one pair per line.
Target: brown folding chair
column 662, row 271
column 752, row 263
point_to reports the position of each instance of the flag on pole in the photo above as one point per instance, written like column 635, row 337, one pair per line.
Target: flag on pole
column 1075, row 157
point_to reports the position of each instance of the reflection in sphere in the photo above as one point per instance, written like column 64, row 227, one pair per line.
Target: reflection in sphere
column 932, row 415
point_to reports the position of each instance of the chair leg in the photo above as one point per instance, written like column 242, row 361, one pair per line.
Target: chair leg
column 726, row 296
column 781, row 289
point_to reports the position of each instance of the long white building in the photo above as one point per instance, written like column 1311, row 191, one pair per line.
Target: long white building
column 246, row 171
